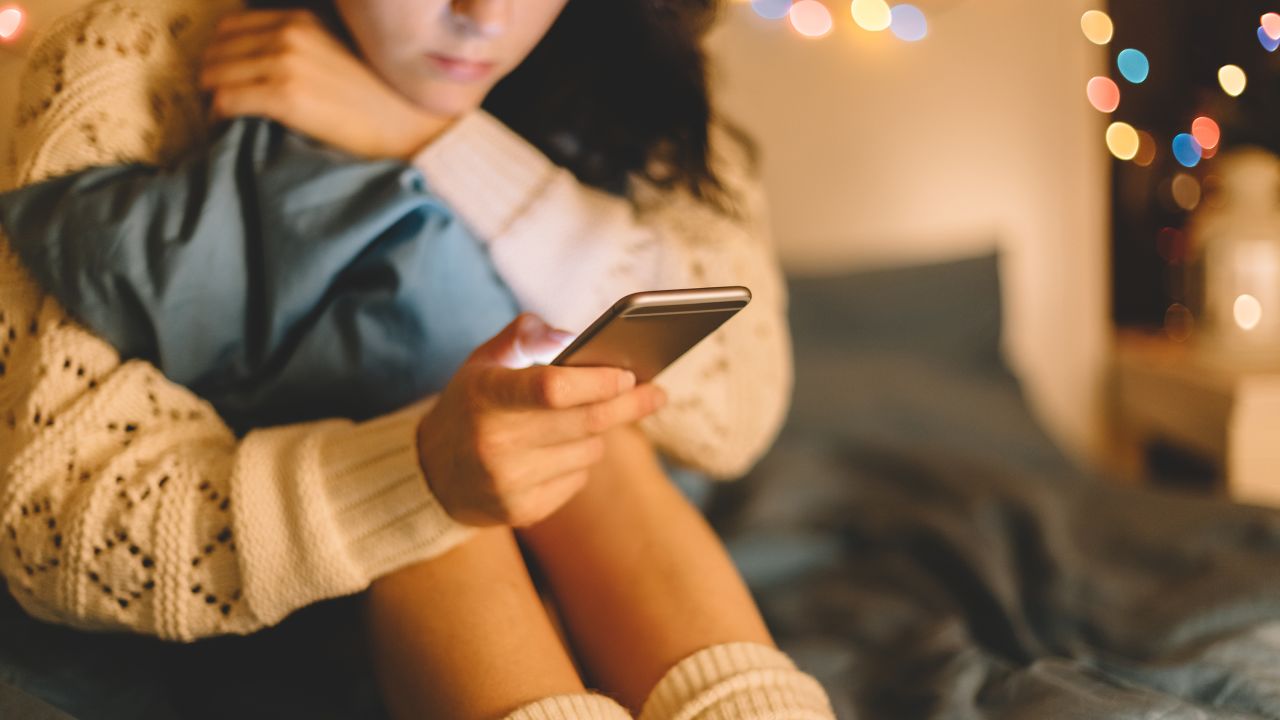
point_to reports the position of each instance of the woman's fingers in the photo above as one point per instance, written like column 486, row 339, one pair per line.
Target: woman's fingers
column 239, row 47
column 247, row 71
column 559, row 426
column 543, row 500
column 260, row 98
column 553, row 387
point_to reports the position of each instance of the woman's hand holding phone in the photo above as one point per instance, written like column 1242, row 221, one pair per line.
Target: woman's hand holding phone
column 507, row 444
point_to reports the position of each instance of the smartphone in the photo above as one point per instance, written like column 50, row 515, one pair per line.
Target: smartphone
column 644, row 332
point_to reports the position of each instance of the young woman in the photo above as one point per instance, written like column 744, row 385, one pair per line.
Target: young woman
column 174, row 528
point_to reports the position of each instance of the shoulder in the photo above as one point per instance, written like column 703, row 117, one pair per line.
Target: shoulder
column 113, row 81
column 734, row 160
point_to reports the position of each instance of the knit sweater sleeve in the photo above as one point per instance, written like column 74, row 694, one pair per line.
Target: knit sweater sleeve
column 126, row 503
column 568, row 251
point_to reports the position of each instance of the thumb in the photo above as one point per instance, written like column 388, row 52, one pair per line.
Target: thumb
column 524, row 340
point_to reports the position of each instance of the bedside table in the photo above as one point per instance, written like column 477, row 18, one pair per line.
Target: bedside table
column 1167, row 392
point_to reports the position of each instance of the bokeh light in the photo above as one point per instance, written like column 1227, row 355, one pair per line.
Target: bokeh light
column 1133, row 65
column 1271, row 25
column 1103, row 94
column 810, row 18
column 1232, row 79
column 1179, row 323
column 1122, row 140
column 873, row 15
column 771, row 9
column 909, row 23
column 1215, row 194
column 1247, row 311
column 1268, row 43
column 1097, row 27
column 1146, row 149
column 1186, row 150
column 1206, row 132
column 1171, row 244
column 11, row 20
column 1186, row 191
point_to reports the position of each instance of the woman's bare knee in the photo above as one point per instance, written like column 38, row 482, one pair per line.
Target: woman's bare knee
column 465, row 634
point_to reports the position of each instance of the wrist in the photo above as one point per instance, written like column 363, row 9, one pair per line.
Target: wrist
column 419, row 130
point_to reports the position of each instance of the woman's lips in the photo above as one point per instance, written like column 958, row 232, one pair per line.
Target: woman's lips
column 459, row 69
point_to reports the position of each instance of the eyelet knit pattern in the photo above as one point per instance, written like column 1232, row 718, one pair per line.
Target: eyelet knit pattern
column 125, row 500
column 126, row 503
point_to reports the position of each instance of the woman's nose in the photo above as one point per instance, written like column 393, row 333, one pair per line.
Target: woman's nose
column 487, row 18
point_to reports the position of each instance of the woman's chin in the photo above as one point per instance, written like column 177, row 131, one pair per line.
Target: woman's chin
column 448, row 99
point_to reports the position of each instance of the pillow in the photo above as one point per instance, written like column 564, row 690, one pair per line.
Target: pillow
column 948, row 311
column 909, row 357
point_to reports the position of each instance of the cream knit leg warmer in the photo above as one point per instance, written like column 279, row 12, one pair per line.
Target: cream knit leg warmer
column 732, row 681
column 737, row 681
column 583, row 706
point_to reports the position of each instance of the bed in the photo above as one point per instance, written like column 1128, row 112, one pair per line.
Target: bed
column 914, row 539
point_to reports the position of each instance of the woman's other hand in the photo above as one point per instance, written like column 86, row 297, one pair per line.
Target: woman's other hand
column 285, row 65
column 508, row 443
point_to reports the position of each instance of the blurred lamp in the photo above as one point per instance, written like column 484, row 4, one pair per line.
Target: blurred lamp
column 1238, row 240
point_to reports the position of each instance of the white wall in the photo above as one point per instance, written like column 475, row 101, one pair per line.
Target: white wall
column 879, row 151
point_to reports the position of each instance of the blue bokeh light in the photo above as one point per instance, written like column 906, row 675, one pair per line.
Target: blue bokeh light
column 1187, row 150
column 1266, row 40
column 771, row 9
column 1133, row 65
column 909, row 22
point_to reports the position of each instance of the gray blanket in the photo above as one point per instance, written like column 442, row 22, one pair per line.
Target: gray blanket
column 917, row 541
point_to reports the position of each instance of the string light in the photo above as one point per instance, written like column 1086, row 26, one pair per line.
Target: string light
column 810, row 18
column 1097, row 27
column 873, row 15
column 1133, row 65
column 909, row 23
column 1270, row 23
column 1206, row 132
column 1186, row 150
column 1232, row 79
column 1268, row 43
column 1186, row 191
column 1122, row 140
column 12, row 18
column 771, row 9
column 1146, row 149
column 1103, row 94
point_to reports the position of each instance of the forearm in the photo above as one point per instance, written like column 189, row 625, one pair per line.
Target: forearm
column 263, row 268
column 569, row 251
column 128, row 505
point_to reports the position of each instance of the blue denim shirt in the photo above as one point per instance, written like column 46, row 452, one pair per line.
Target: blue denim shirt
column 280, row 279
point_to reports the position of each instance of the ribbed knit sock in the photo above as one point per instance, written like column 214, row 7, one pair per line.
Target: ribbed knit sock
column 578, row 706
column 737, row 681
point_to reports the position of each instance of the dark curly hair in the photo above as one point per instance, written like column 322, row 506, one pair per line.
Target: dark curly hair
column 615, row 88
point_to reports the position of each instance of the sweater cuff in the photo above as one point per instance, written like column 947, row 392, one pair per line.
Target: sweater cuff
column 485, row 171
column 381, row 505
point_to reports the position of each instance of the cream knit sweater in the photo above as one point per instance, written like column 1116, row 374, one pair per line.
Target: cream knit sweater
column 127, row 503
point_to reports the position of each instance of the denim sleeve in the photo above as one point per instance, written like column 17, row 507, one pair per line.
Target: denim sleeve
column 278, row 278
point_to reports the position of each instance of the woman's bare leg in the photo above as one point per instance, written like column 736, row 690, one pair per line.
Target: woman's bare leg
column 639, row 577
column 464, row 635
